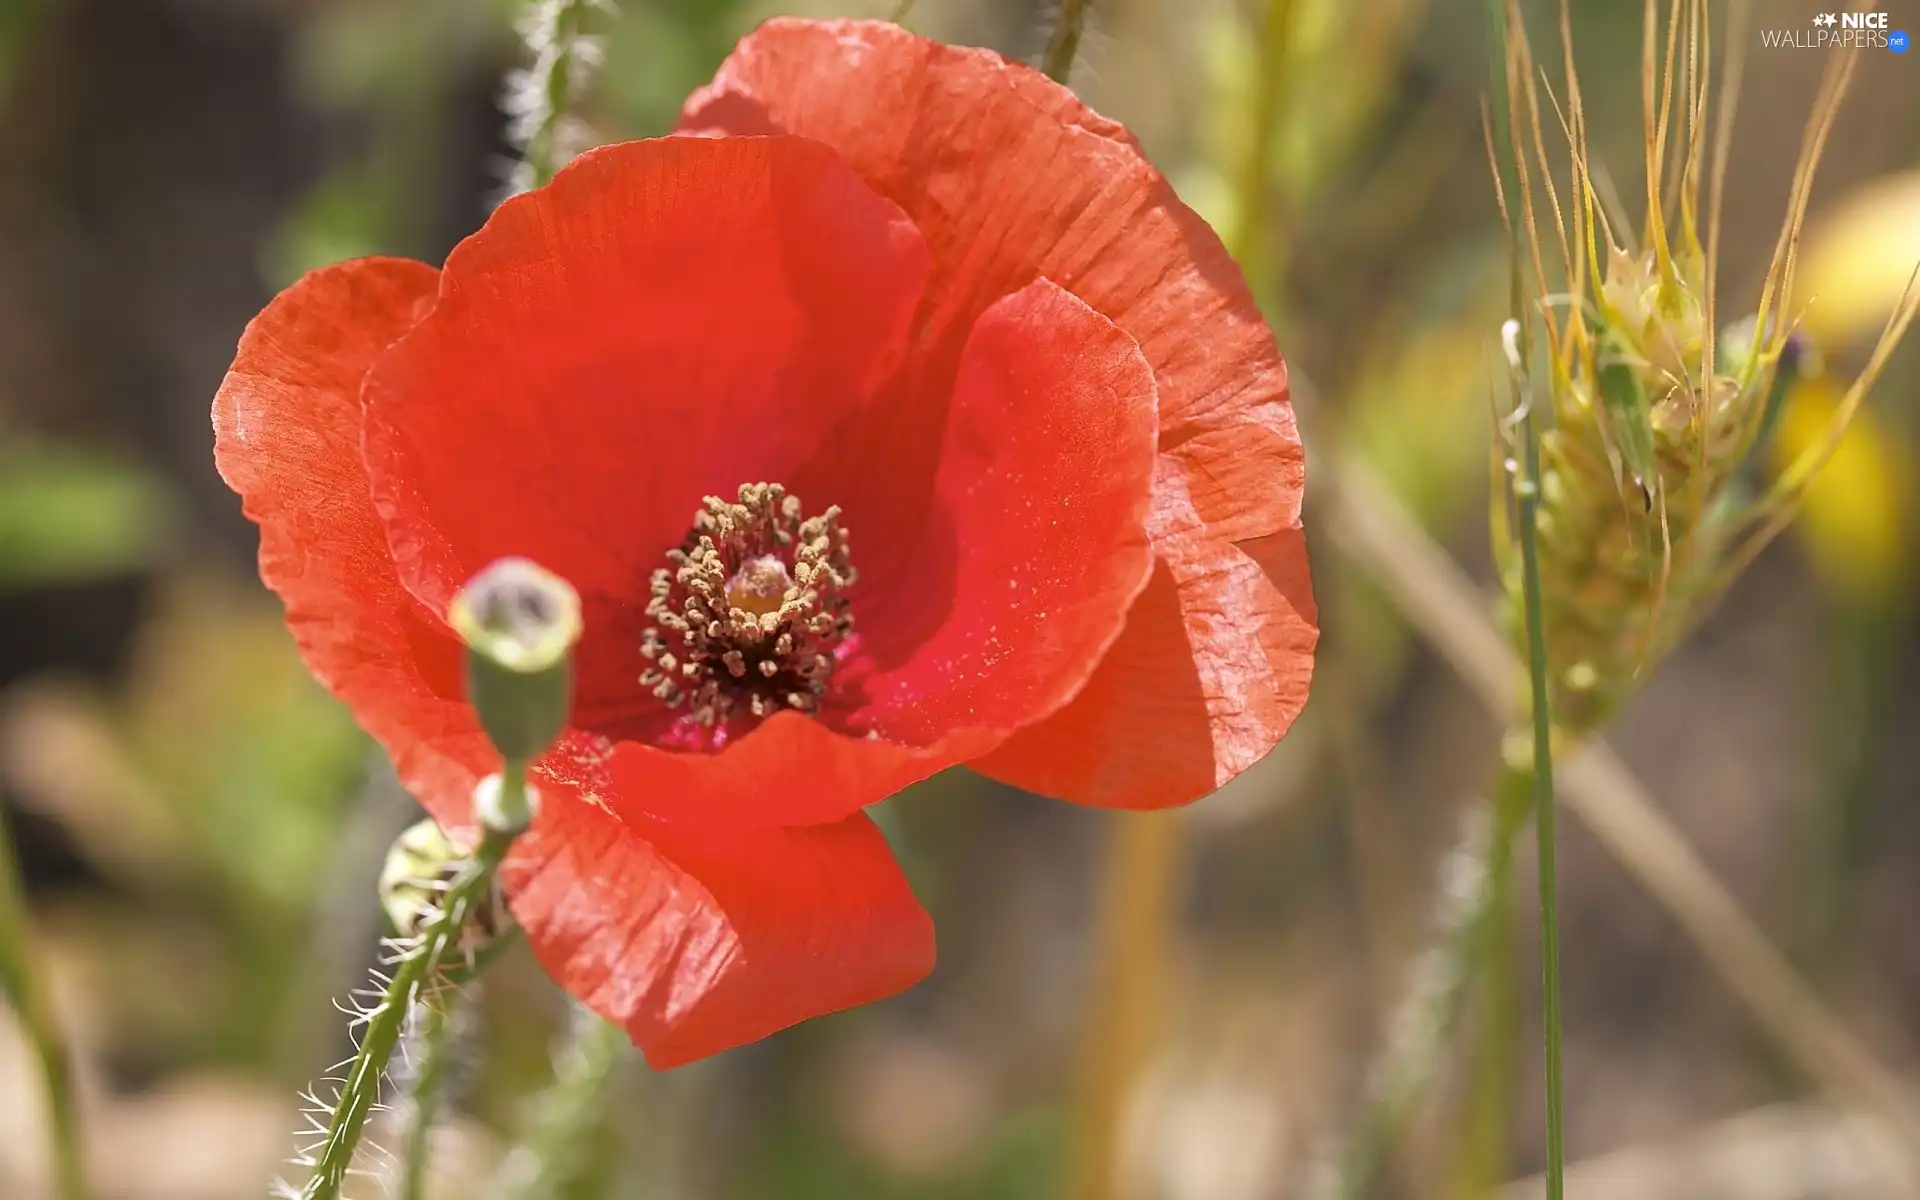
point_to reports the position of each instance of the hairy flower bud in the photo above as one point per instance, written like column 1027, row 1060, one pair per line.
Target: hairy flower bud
column 414, row 879
column 421, row 859
column 520, row 622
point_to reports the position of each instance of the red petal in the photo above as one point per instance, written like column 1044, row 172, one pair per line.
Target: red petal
column 1043, row 491
column 1009, row 177
column 697, row 942
column 1147, row 732
column 792, row 770
column 667, row 320
column 1042, row 496
column 1150, row 732
column 287, row 438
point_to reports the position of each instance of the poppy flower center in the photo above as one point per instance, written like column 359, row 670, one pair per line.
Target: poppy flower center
column 751, row 610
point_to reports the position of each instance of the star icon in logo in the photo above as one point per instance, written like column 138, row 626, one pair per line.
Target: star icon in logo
column 1827, row 19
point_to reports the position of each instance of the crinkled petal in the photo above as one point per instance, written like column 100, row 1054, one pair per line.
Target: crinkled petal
column 1042, row 503
column 1009, row 177
column 667, row 320
column 696, row 940
column 694, row 943
column 286, row 427
column 1147, row 732
column 1164, row 722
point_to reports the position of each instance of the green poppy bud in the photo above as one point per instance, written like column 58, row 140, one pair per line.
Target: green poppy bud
column 520, row 622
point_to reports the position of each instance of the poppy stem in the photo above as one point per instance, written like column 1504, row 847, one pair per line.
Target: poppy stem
column 415, row 969
column 20, row 981
column 542, row 97
column 1064, row 43
column 558, row 1151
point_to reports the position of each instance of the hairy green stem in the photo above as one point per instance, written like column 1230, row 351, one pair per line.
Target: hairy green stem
column 1427, row 1018
column 556, row 1158
column 555, row 34
column 1064, row 43
column 416, row 968
column 20, row 979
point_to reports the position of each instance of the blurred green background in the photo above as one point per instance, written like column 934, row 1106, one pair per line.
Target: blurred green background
column 201, row 827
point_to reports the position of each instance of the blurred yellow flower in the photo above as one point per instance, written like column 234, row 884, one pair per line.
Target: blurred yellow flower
column 1858, row 258
column 1856, row 520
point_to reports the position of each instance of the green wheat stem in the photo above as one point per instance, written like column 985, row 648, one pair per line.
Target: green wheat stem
column 413, row 972
column 1467, row 925
column 557, row 1157
column 1528, row 504
column 1527, row 511
column 1064, row 43
column 21, row 981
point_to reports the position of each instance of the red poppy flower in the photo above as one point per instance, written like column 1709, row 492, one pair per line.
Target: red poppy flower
column 904, row 420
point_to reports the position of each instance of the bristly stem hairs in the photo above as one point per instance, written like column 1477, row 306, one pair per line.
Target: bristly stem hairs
column 520, row 624
column 541, row 99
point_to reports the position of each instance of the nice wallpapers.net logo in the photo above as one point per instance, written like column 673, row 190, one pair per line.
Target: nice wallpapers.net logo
column 1840, row 31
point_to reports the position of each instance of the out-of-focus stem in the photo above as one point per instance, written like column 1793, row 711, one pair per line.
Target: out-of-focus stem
column 1063, row 45
column 432, row 1047
column 1484, row 1144
column 1443, row 605
column 1139, row 888
column 562, row 57
column 20, row 977
column 1428, row 1016
column 1138, row 891
column 1251, row 241
column 569, row 1119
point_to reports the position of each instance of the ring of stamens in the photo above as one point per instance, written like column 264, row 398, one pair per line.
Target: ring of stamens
column 751, row 609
